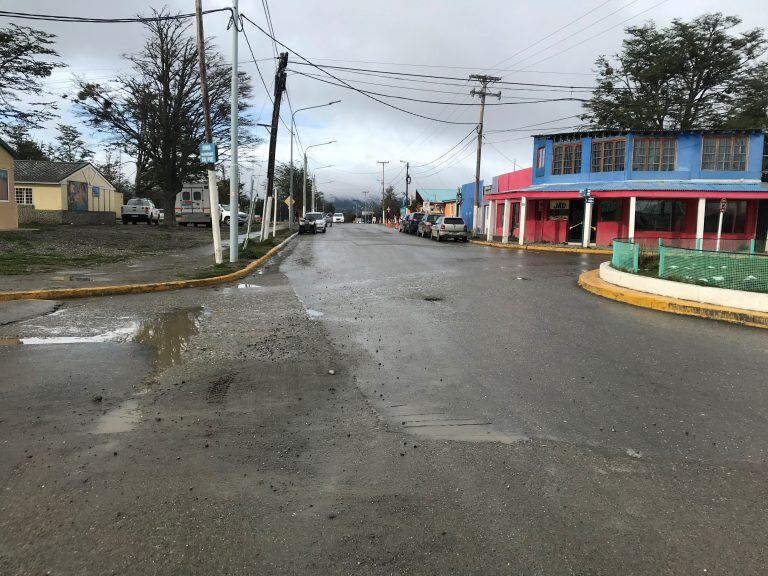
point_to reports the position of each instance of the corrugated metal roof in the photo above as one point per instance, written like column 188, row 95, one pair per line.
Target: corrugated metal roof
column 682, row 185
column 609, row 133
column 437, row 194
column 44, row 171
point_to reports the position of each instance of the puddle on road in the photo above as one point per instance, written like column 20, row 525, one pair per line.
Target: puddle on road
column 121, row 419
column 109, row 336
column 313, row 314
column 248, row 286
column 168, row 335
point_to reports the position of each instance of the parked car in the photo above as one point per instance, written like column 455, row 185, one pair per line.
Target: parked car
column 412, row 223
column 140, row 210
column 403, row 223
column 312, row 223
column 338, row 217
column 162, row 214
column 242, row 217
column 424, row 227
column 329, row 219
column 449, row 227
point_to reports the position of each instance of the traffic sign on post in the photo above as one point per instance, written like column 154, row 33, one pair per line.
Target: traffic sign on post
column 209, row 153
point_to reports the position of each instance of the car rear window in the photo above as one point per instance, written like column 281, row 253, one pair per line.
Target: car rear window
column 433, row 217
column 454, row 221
column 136, row 202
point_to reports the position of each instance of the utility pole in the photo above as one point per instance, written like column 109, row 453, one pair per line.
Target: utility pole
column 280, row 76
column 234, row 184
column 407, row 181
column 365, row 204
column 484, row 80
column 383, row 163
column 213, row 192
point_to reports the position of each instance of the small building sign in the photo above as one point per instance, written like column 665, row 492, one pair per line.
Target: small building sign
column 96, row 191
column 209, row 153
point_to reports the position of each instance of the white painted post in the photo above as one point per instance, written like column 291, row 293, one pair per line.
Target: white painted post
column 523, row 203
column 491, row 228
column 632, row 205
column 475, row 223
column 586, row 227
column 719, row 230
column 700, row 222
column 505, row 226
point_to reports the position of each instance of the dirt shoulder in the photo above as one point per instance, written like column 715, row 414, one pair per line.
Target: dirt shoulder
column 85, row 256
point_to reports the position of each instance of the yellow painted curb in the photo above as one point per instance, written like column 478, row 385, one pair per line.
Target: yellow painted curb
column 567, row 249
column 61, row 293
column 592, row 282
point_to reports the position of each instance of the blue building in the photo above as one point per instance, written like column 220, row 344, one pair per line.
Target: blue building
column 652, row 184
column 466, row 209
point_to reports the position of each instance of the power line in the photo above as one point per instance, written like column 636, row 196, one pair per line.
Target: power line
column 84, row 20
column 389, row 105
column 422, row 101
column 445, row 153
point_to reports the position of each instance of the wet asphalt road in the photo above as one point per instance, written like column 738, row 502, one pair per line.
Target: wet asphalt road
column 484, row 416
column 504, row 343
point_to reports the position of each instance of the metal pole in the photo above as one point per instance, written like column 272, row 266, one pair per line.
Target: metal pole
column 274, row 221
column 234, row 186
column 290, row 207
column 382, row 187
column 314, row 191
column 719, row 230
column 213, row 192
column 304, row 197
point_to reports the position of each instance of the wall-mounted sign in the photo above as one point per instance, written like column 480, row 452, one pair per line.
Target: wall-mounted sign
column 96, row 191
column 208, row 153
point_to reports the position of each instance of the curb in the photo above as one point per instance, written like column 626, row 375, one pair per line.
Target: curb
column 566, row 249
column 61, row 293
column 591, row 282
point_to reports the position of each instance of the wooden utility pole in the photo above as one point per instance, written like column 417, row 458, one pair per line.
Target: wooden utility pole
column 383, row 163
column 213, row 192
column 280, row 76
column 484, row 80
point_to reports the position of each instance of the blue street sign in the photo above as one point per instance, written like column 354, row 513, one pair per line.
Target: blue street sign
column 208, row 153
column 96, row 191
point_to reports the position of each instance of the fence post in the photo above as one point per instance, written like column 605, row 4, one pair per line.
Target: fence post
column 661, row 258
column 699, row 242
column 752, row 247
column 636, row 257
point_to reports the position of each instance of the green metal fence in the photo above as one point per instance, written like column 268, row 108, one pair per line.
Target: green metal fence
column 686, row 260
column 735, row 270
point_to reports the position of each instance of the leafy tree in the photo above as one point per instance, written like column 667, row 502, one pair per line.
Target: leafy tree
column 26, row 148
column 749, row 108
column 283, row 183
column 155, row 112
column 391, row 200
column 684, row 76
column 70, row 146
column 25, row 59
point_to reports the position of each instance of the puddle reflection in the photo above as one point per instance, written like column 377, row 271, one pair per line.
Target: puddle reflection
column 168, row 335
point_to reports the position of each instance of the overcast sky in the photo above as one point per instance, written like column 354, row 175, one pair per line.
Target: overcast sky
column 552, row 42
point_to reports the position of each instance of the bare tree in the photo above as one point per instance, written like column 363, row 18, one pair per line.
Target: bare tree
column 155, row 112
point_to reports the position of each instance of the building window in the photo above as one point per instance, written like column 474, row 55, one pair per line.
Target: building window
column 724, row 153
column 610, row 210
column 540, row 157
column 3, row 185
column 660, row 215
column 558, row 209
column 23, row 195
column 608, row 155
column 654, row 154
column 566, row 158
column 734, row 217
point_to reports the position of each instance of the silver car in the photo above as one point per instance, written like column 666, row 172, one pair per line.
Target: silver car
column 424, row 228
column 318, row 219
column 449, row 227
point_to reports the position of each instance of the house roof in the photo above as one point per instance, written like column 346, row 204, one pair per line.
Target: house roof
column 437, row 194
column 45, row 171
column 11, row 151
column 612, row 133
column 640, row 185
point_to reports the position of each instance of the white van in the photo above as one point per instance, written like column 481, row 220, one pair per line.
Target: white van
column 193, row 205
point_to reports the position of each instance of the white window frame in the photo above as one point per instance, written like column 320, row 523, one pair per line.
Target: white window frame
column 24, row 190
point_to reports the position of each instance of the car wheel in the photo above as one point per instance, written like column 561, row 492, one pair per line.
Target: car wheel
column 325, row 230
column 314, row 230
column 439, row 239
column 226, row 221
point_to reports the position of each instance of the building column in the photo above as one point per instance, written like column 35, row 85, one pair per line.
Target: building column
column 586, row 227
column 700, row 221
column 523, row 204
column 505, row 225
column 491, row 226
column 632, row 205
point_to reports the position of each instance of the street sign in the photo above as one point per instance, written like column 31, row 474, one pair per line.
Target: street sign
column 96, row 191
column 723, row 205
column 209, row 153
column 289, row 201
column 590, row 199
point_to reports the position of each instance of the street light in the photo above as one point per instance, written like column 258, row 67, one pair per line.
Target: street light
column 316, row 191
column 314, row 184
column 293, row 132
column 304, row 195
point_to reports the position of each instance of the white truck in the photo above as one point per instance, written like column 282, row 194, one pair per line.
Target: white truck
column 193, row 205
column 140, row 210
